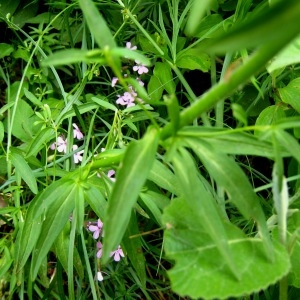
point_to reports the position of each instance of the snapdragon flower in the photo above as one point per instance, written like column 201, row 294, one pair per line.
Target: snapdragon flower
column 99, row 252
column 129, row 46
column 96, row 229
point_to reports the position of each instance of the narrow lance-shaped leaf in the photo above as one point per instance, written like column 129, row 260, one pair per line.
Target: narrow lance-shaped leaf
column 203, row 204
column 136, row 165
column 97, row 24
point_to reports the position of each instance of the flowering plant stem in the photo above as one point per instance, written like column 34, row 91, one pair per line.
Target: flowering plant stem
column 230, row 83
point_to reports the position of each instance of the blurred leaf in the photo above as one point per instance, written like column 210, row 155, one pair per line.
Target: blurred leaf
column 104, row 104
column 207, row 24
column 131, row 54
column 288, row 56
column 155, row 89
column 135, row 167
column 97, row 24
column 151, row 208
column 26, row 11
column 290, row 94
column 5, row 49
column 198, row 10
column 241, row 194
column 274, row 24
column 8, row 7
column 1, row 132
column 164, row 74
column 239, row 113
column 200, row 271
column 24, row 170
column 193, row 59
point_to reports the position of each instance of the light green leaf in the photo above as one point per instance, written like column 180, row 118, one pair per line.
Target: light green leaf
column 164, row 74
column 138, row 160
column 5, row 49
column 200, row 271
column 24, row 170
column 193, row 59
column 104, row 104
column 151, row 208
column 288, row 56
column 227, row 174
column 203, row 205
column 290, row 94
column 97, row 24
column 1, row 132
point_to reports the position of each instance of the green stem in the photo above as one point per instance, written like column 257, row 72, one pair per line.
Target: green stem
column 228, row 85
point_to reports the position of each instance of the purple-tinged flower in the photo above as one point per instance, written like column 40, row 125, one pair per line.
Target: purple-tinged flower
column 61, row 144
column 140, row 81
column 140, row 68
column 53, row 146
column 77, row 133
column 110, row 175
column 99, row 252
column 114, row 81
column 96, row 229
column 117, row 254
column 78, row 155
column 99, row 276
column 129, row 46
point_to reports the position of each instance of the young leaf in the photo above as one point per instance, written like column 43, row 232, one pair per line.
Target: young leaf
column 138, row 160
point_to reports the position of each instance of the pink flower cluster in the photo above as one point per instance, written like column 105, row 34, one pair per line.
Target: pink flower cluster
column 61, row 144
column 129, row 97
column 96, row 229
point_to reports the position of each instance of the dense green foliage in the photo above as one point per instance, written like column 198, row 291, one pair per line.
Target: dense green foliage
column 149, row 149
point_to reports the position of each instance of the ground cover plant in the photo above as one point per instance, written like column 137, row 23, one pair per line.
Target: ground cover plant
column 149, row 149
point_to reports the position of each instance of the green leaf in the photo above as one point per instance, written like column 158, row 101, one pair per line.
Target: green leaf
column 200, row 271
column 227, row 174
column 104, row 104
column 61, row 246
column 135, row 167
column 290, row 94
column 273, row 24
column 151, row 208
column 155, row 89
column 133, row 245
column 97, row 24
column 193, row 59
column 204, row 205
column 164, row 74
column 24, row 170
column 57, row 215
column 288, row 56
column 5, row 49
column 1, row 132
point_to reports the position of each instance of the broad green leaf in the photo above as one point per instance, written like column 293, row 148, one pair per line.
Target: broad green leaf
column 200, row 271
column 288, row 56
column 164, row 74
column 193, row 59
column 204, row 205
column 61, row 246
column 133, row 245
column 24, row 170
column 55, row 218
column 227, row 174
column 8, row 7
column 30, row 231
column 5, row 49
column 273, row 24
column 97, row 24
column 290, row 94
column 155, row 89
column 135, row 167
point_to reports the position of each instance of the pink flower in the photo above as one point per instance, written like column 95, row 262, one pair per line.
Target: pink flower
column 53, row 146
column 140, row 81
column 96, row 229
column 117, row 254
column 140, row 68
column 61, row 144
column 99, row 246
column 114, row 81
column 77, row 133
column 128, row 46
column 78, row 155
column 110, row 175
